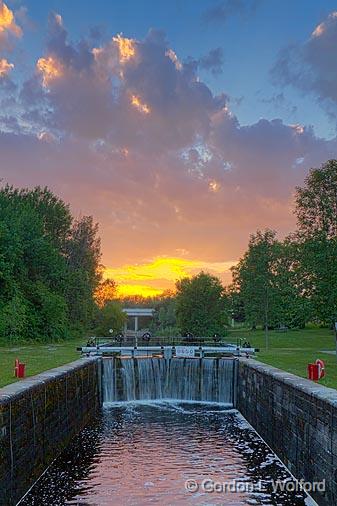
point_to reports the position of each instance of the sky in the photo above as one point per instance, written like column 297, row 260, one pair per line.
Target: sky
column 181, row 126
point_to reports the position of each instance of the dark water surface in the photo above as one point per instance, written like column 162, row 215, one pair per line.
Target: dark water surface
column 143, row 453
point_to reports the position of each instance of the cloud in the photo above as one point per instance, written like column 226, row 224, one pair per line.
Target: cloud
column 8, row 26
column 311, row 66
column 220, row 12
column 278, row 101
column 50, row 69
column 5, row 67
column 116, row 84
column 126, row 131
column 213, row 61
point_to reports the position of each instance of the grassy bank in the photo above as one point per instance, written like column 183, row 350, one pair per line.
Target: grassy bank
column 37, row 358
column 293, row 350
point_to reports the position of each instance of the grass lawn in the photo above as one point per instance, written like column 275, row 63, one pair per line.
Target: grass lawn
column 290, row 351
column 293, row 350
column 37, row 357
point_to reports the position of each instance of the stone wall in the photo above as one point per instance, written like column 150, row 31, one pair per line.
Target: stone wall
column 38, row 417
column 297, row 418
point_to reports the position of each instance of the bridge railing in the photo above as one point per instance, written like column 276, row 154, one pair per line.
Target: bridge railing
column 164, row 341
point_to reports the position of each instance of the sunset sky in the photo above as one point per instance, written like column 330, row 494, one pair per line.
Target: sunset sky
column 181, row 126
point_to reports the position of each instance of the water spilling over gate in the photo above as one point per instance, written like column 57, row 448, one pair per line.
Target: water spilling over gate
column 188, row 379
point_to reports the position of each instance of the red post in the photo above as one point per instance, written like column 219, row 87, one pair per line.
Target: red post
column 313, row 372
column 21, row 370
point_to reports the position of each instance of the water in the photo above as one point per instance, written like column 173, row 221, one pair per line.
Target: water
column 142, row 453
column 209, row 379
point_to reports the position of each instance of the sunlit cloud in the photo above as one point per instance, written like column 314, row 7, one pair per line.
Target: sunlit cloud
column 45, row 136
column 319, row 30
column 50, row 68
column 174, row 58
column 5, row 67
column 126, row 48
column 138, row 104
column 299, row 129
column 58, row 19
column 214, row 186
column 322, row 27
column 161, row 274
column 7, row 21
column 97, row 52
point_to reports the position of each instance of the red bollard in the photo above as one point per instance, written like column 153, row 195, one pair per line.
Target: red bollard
column 313, row 372
column 316, row 371
column 19, row 369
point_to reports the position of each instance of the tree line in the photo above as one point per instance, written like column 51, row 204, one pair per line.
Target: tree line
column 49, row 267
column 293, row 281
column 51, row 283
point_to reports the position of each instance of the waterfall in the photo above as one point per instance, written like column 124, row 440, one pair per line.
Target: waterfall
column 188, row 379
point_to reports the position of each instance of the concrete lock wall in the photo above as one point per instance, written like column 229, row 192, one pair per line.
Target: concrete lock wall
column 38, row 417
column 297, row 418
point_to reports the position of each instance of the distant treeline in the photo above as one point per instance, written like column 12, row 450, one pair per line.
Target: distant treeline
column 49, row 267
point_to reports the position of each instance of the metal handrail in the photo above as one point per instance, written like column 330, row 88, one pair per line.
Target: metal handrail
column 162, row 340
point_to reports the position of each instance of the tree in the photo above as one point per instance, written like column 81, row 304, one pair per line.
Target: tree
column 110, row 316
column 318, row 275
column 316, row 202
column 83, row 260
column 200, row 305
column 234, row 304
column 268, row 281
column 53, row 212
column 291, row 282
column 49, row 266
column 252, row 277
column 316, row 211
column 105, row 291
column 291, row 307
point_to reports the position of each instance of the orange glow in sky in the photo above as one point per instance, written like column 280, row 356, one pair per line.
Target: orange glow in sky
column 153, row 277
column 125, row 290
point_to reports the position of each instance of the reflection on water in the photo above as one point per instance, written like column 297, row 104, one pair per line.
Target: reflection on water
column 143, row 453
